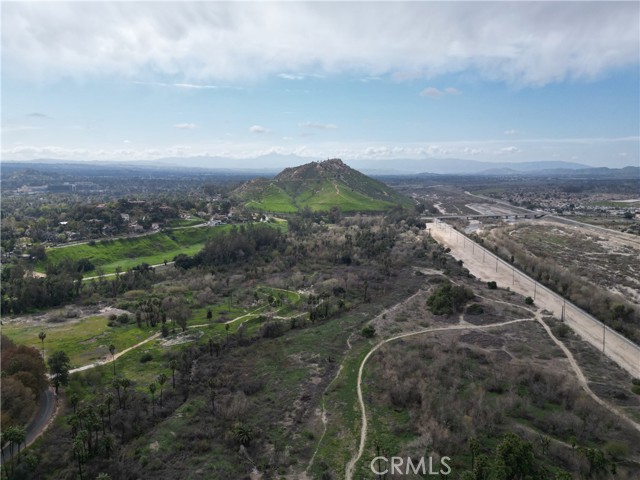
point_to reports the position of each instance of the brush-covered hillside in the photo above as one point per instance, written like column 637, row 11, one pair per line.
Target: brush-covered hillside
column 320, row 186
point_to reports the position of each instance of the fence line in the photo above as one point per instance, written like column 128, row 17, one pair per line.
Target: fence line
column 537, row 285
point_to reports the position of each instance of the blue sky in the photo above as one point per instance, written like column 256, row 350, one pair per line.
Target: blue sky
column 362, row 80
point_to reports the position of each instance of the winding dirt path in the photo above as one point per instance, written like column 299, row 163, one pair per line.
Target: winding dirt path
column 581, row 377
column 363, row 432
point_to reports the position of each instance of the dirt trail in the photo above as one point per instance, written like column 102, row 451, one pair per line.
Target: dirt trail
column 486, row 266
column 582, row 379
column 116, row 356
column 323, row 415
column 363, row 432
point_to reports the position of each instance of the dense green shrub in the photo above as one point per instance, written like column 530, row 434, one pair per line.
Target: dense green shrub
column 448, row 299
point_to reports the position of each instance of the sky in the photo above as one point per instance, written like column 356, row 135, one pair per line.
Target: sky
column 378, row 81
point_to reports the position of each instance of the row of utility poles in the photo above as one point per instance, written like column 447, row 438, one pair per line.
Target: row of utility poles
column 513, row 271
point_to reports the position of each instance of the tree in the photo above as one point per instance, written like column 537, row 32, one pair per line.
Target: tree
column 474, row 447
column 124, row 383
column 78, row 450
column 116, row 385
column 243, row 434
column 209, row 314
column 212, row 394
column 226, row 328
column 42, row 336
column 108, row 400
column 177, row 310
column 112, row 350
column 20, row 435
column 59, row 369
column 173, row 364
column 14, row 435
column 369, row 331
column 74, row 399
column 162, row 379
column 152, row 390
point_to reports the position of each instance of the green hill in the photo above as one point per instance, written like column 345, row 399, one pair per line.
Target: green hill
column 320, row 186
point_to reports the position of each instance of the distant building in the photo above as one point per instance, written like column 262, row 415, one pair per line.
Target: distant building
column 61, row 188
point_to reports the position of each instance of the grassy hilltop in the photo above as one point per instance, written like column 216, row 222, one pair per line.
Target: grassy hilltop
column 320, row 186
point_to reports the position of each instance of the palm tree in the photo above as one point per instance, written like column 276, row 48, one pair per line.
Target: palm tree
column 74, row 399
column 125, row 382
column 112, row 349
column 21, row 436
column 162, row 379
column 152, row 389
column 116, row 384
column 108, row 400
column 102, row 410
column 243, row 434
column 212, row 394
column 42, row 336
column 78, row 450
column 173, row 364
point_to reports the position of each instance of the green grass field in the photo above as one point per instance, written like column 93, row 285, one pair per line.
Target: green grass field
column 129, row 252
column 85, row 341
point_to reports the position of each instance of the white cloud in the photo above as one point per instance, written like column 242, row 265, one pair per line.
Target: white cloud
column 190, row 86
column 510, row 131
column 258, row 129
column 185, row 126
column 509, row 150
column 289, row 76
column 520, row 43
column 591, row 151
column 431, row 92
column 39, row 115
column 319, row 126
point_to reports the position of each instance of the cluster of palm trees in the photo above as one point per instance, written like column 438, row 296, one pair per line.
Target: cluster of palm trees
column 14, row 435
column 87, row 424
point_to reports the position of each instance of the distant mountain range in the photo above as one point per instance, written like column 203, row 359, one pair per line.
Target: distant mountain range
column 271, row 164
column 319, row 186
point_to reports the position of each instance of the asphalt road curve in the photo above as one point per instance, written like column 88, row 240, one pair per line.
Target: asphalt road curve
column 38, row 424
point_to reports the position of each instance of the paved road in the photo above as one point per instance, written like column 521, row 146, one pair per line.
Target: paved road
column 42, row 420
column 486, row 266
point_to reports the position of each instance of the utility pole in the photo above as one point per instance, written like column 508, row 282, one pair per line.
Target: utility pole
column 535, row 284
